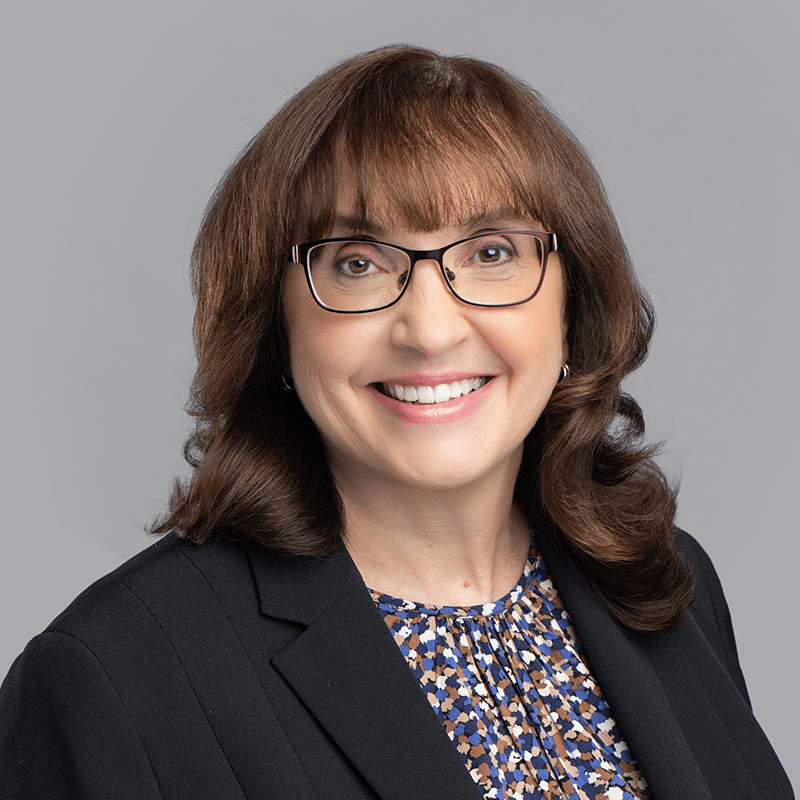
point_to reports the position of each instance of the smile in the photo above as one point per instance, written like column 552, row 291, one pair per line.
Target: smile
column 425, row 395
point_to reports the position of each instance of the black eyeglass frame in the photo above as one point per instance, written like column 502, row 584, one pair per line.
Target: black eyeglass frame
column 299, row 255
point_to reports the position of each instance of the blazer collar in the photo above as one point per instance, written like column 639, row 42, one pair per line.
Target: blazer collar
column 299, row 589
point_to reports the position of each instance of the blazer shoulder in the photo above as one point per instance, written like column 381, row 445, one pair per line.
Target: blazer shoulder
column 709, row 609
column 167, row 649
column 145, row 580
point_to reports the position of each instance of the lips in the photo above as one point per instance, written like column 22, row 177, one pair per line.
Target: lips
column 427, row 394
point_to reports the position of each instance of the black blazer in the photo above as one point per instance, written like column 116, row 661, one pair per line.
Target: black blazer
column 223, row 671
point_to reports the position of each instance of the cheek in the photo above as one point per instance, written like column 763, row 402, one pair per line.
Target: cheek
column 553, row 317
column 315, row 351
column 327, row 351
column 539, row 340
column 305, row 335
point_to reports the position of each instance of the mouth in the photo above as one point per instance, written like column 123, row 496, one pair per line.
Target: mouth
column 426, row 395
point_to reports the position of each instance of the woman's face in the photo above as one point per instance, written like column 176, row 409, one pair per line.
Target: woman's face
column 342, row 366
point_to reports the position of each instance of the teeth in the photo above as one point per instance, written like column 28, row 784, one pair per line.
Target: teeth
column 409, row 393
column 441, row 394
column 426, row 394
column 433, row 394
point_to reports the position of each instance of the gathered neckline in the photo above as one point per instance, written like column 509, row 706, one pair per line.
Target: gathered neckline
column 503, row 605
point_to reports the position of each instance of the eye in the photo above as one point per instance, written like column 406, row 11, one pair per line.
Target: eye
column 359, row 260
column 492, row 254
column 355, row 267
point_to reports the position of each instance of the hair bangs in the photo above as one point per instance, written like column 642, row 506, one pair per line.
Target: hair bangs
column 424, row 163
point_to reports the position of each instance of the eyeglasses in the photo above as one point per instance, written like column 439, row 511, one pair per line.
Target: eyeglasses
column 356, row 275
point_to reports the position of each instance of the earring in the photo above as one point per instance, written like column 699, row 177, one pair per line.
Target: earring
column 564, row 374
column 288, row 385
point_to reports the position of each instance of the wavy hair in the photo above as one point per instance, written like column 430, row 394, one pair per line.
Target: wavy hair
column 430, row 135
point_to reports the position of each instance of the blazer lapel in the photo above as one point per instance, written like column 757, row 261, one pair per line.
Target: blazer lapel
column 629, row 683
column 674, row 702
column 350, row 674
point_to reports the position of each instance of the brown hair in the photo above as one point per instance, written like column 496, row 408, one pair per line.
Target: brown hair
column 432, row 134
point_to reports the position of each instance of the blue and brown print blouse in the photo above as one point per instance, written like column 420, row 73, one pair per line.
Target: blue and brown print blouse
column 515, row 695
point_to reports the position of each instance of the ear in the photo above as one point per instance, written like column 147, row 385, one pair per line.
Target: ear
column 564, row 317
column 565, row 346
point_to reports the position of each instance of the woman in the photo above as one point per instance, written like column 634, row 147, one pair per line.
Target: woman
column 424, row 552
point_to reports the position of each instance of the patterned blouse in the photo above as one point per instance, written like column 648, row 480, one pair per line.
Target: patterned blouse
column 515, row 695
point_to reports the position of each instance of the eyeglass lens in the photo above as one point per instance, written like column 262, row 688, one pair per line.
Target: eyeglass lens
column 495, row 269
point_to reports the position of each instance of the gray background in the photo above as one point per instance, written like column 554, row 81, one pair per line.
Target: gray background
column 120, row 118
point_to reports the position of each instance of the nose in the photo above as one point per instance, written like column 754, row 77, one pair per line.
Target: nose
column 429, row 319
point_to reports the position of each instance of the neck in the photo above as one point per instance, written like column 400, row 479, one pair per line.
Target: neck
column 458, row 547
